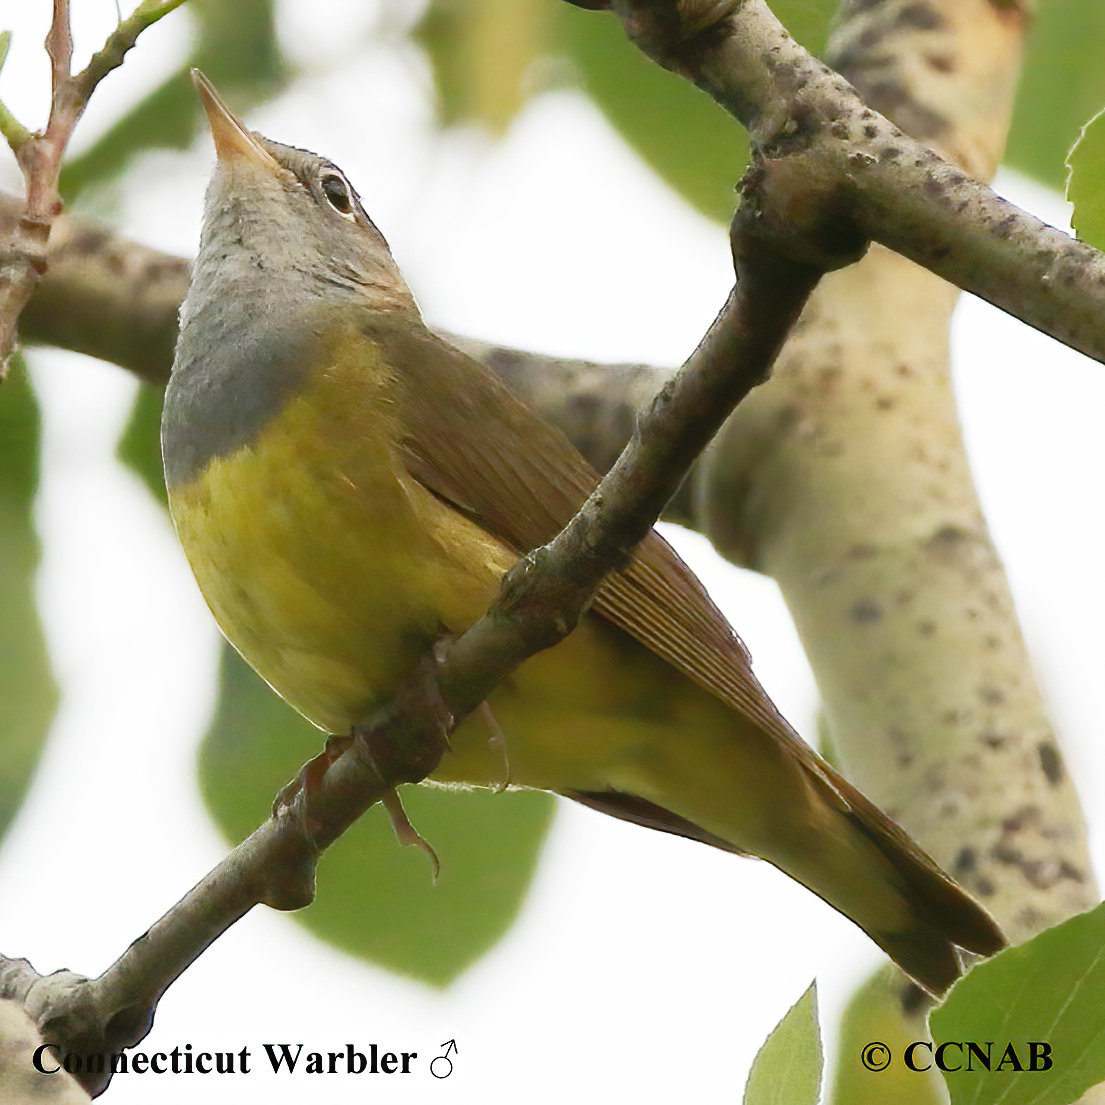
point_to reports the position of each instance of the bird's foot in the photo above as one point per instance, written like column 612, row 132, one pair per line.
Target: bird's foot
column 497, row 741
column 309, row 777
column 405, row 739
column 405, row 832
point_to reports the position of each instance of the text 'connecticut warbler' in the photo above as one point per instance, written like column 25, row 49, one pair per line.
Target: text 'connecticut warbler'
column 348, row 487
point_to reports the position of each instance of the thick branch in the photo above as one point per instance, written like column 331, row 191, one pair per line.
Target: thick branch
column 104, row 296
column 828, row 155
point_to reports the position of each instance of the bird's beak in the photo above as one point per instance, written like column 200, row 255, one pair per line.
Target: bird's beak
column 232, row 140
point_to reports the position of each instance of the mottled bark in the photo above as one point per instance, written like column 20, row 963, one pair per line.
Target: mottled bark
column 845, row 478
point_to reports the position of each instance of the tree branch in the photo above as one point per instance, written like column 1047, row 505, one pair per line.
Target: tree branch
column 104, row 296
column 826, row 155
column 847, row 481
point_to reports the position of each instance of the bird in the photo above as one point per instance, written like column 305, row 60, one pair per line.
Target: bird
column 350, row 489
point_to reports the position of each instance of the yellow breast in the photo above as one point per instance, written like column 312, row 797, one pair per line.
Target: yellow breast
column 324, row 563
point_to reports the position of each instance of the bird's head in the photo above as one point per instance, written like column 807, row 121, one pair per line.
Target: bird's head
column 281, row 217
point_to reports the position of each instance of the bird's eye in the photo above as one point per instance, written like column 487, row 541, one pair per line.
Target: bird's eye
column 338, row 195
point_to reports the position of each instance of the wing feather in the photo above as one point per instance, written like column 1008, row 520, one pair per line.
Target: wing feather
column 483, row 450
column 478, row 447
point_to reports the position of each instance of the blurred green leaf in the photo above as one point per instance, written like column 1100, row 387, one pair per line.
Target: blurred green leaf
column 807, row 21
column 140, row 446
column 692, row 143
column 1049, row 990
column 787, row 1069
column 697, row 147
column 1062, row 85
column 1086, row 182
column 875, row 1030
column 28, row 695
column 480, row 52
column 237, row 48
column 19, row 439
column 375, row 898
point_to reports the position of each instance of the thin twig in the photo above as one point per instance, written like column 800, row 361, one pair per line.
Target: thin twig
column 13, row 131
column 59, row 47
column 120, row 42
column 39, row 154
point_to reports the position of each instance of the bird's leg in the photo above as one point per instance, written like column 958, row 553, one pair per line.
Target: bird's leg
column 497, row 741
column 405, row 832
column 419, row 700
column 418, row 710
column 402, row 742
column 309, row 776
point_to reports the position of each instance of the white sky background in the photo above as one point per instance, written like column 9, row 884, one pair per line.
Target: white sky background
column 640, row 964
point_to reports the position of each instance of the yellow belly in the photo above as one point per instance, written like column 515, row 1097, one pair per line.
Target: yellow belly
column 327, row 567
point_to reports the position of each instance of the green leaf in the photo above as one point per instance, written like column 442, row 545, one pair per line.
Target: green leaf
column 1086, row 182
column 875, row 1031
column 692, row 143
column 140, row 446
column 1062, row 85
column 480, row 52
column 696, row 146
column 1049, row 991
column 787, row 1069
column 376, row 899
column 807, row 21
column 237, row 49
column 28, row 695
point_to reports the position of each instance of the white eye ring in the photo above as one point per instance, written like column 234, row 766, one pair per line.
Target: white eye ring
column 339, row 195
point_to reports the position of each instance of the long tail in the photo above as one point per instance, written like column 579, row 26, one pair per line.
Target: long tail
column 930, row 917
column 946, row 914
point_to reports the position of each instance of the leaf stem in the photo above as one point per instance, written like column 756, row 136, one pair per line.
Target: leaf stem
column 14, row 132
